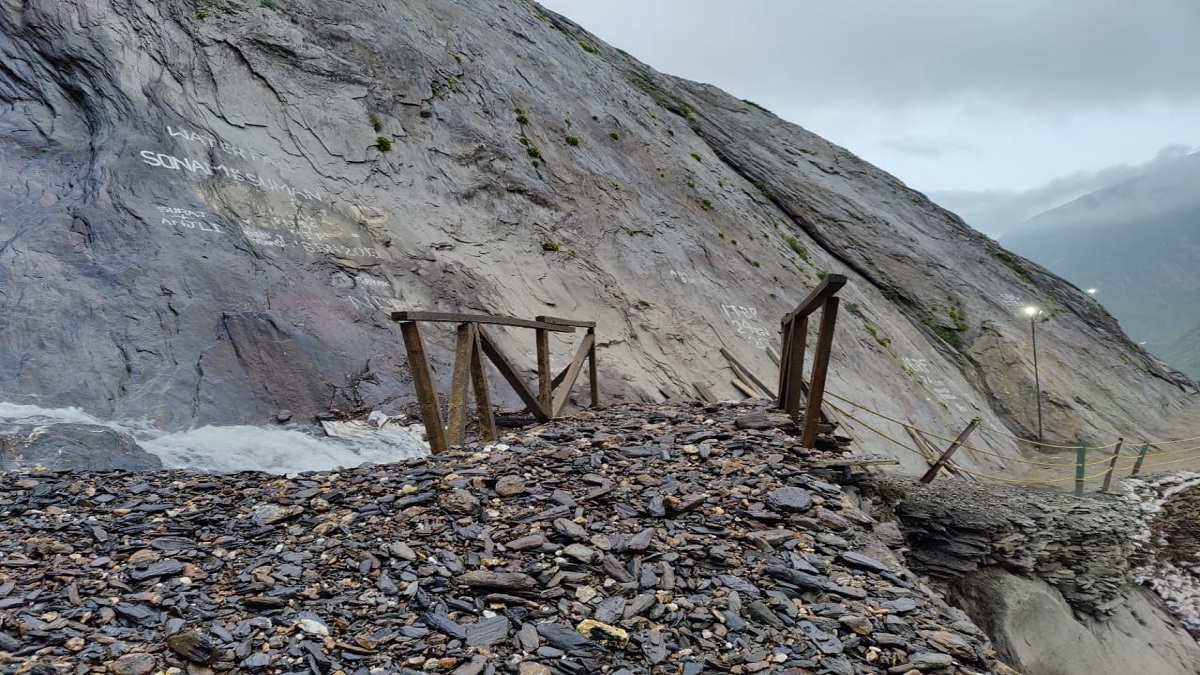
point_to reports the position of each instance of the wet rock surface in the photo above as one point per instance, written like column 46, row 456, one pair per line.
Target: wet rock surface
column 70, row 447
column 630, row 550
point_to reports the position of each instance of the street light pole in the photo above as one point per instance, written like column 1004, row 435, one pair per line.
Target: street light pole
column 1033, row 313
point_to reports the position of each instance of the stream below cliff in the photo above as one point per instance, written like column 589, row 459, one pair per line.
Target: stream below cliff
column 227, row 449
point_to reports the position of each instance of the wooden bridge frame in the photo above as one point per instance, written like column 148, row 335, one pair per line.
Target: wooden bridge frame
column 472, row 343
column 791, row 365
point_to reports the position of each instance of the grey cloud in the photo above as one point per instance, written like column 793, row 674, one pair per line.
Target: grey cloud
column 999, row 212
column 925, row 147
column 1035, row 52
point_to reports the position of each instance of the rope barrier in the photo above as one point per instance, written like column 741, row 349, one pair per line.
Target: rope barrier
column 1182, row 440
column 1106, row 459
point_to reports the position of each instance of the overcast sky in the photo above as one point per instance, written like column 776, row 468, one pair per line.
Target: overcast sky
column 949, row 95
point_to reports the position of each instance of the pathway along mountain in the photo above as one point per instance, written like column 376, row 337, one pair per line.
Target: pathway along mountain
column 1059, row 464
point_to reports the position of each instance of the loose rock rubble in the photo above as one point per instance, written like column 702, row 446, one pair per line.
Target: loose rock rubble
column 636, row 539
column 1169, row 543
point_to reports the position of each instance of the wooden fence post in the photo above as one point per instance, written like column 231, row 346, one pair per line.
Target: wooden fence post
column 1112, row 465
column 1137, row 466
column 1080, row 466
column 423, row 382
column 542, row 337
column 816, row 385
column 593, row 377
column 962, row 438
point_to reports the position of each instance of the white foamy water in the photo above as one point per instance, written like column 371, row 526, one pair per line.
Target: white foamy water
column 278, row 450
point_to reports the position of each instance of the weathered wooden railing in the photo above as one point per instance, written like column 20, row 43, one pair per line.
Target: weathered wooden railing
column 791, row 363
column 472, row 342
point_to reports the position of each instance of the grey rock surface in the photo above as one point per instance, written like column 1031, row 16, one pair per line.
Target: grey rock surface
column 1032, row 626
column 71, row 447
column 200, row 225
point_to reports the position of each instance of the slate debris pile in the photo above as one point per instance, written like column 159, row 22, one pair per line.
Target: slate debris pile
column 1082, row 546
column 636, row 539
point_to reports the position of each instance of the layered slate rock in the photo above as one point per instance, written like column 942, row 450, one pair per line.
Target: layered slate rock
column 1084, row 547
column 630, row 550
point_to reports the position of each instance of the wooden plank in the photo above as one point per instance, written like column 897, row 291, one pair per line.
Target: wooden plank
column 1112, row 465
column 706, row 392
column 745, row 373
column 816, row 384
column 543, row 367
column 945, row 458
column 797, row 346
column 831, row 284
column 483, row 398
column 418, row 365
column 509, row 373
column 849, row 462
column 564, row 390
column 480, row 318
column 456, row 416
column 593, row 373
column 567, row 322
column 746, row 389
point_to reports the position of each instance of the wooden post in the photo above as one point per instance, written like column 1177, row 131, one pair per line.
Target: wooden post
column 543, row 366
column 962, row 438
column 1112, row 465
column 418, row 365
column 456, row 416
column 1080, row 466
column 509, row 373
column 1137, row 466
column 816, row 384
column 593, row 375
column 483, row 398
column 560, row 399
column 794, row 358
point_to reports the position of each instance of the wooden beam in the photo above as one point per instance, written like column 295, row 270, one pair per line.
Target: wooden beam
column 418, row 365
column 593, row 374
column 564, row 391
column 784, row 369
column 797, row 345
column 745, row 388
column 745, row 372
column 509, row 373
column 543, row 367
column 816, row 384
column 830, row 285
column 481, row 318
column 483, row 398
column 456, row 416
column 945, row 458
column 706, row 392
column 1112, row 465
column 567, row 322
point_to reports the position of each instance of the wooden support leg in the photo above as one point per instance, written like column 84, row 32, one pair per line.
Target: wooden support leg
column 564, row 391
column 543, row 367
column 1137, row 466
column 509, row 373
column 797, row 345
column 816, row 391
column 1080, row 469
column 456, row 416
column 483, row 397
column 593, row 374
column 423, row 382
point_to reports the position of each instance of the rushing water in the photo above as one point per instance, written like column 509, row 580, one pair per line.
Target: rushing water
column 248, row 448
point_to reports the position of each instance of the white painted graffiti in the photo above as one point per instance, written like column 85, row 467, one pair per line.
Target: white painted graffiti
column 745, row 322
column 373, row 302
column 194, row 166
column 215, row 143
column 1010, row 301
column 682, row 277
column 917, row 365
column 368, row 281
column 187, row 219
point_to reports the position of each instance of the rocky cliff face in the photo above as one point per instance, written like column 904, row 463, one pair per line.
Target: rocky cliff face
column 207, row 208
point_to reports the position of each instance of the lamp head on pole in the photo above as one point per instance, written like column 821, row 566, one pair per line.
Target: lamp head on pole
column 1032, row 311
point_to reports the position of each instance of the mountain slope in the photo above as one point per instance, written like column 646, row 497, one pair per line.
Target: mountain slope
column 1184, row 353
column 206, row 214
column 1136, row 243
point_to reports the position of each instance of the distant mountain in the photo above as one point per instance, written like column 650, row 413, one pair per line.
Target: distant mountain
column 1138, row 244
column 1184, row 353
